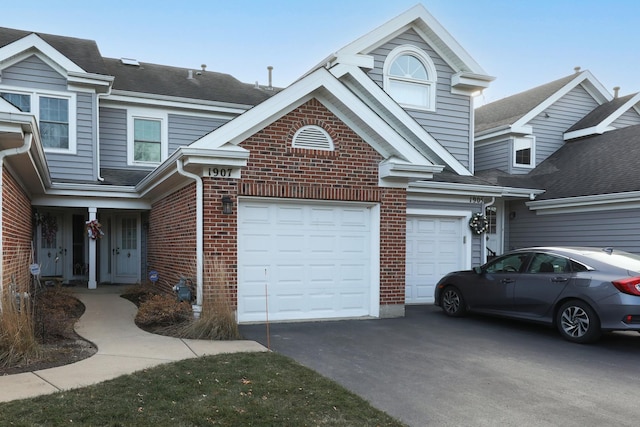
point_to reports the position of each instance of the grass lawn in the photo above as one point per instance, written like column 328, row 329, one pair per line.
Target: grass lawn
column 245, row 389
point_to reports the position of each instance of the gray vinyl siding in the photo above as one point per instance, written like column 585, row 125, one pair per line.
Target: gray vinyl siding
column 450, row 123
column 449, row 206
column 619, row 229
column 496, row 155
column 629, row 118
column 184, row 130
column 83, row 160
column 33, row 73
column 562, row 115
column 113, row 137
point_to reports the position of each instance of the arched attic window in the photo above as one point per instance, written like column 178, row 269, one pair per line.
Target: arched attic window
column 313, row 138
column 410, row 78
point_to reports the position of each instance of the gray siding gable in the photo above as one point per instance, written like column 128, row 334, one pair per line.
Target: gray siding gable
column 628, row 118
column 450, row 124
column 33, row 73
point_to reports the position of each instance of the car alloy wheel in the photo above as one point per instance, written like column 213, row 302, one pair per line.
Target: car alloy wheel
column 578, row 322
column 452, row 302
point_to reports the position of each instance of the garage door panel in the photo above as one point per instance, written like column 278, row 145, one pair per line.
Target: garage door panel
column 434, row 248
column 317, row 259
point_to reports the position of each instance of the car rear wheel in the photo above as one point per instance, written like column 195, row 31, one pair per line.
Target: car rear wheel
column 577, row 322
column 452, row 302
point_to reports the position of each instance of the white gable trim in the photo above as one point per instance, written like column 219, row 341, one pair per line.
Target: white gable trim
column 605, row 125
column 394, row 109
column 26, row 44
column 429, row 28
column 599, row 202
column 314, row 85
column 584, row 78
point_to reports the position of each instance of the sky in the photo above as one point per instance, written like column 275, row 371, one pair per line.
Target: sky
column 523, row 43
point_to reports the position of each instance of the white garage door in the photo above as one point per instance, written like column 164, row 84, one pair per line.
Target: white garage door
column 306, row 261
column 434, row 248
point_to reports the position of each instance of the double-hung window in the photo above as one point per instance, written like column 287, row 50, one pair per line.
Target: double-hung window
column 147, row 137
column 54, row 115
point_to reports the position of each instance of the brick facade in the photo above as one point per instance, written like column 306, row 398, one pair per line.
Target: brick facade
column 16, row 232
column 276, row 169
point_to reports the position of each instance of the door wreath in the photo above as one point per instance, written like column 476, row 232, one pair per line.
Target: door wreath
column 479, row 223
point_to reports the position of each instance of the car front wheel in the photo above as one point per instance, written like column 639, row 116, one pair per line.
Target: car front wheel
column 452, row 302
column 577, row 322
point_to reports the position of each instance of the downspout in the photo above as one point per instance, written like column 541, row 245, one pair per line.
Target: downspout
column 483, row 248
column 199, row 234
column 26, row 146
column 98, row 96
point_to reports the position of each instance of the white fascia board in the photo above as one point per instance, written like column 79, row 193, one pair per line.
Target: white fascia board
column 383, row 98
column 464, row 83
column 126, row 97
column 101, row 83
column 585, row 78
column 33, row 41
column 99, row 201
column 362, row 61
column 600, row 202
column 503, row 131
column 194, row 157
column 451, row 188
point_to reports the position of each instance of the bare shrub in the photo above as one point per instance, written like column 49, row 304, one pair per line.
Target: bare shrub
column 163, row 310
column 17, row 339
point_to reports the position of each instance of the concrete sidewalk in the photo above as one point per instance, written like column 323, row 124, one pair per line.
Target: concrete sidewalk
column 123, row 348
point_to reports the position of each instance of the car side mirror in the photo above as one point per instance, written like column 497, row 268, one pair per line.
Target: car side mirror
column 478, row 270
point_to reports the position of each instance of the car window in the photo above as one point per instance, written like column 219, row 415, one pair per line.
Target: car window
column 548, row 263
column 507, row 264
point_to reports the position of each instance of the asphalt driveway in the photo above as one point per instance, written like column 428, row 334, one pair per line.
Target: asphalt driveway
column 429, row 370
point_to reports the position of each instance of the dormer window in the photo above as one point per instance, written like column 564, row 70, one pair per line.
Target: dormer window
column 523, row 152
column 410, row 78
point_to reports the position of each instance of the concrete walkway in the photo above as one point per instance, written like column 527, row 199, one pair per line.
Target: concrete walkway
column 123, row 348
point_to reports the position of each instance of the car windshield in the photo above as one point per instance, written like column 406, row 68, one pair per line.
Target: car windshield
column 620, row 259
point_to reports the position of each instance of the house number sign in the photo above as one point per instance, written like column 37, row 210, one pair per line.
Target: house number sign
column 476, row 199
column 221, row 172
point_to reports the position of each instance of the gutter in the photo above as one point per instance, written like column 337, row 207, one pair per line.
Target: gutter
column 197, row 308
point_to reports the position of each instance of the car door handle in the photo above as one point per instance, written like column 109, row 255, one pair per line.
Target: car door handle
column 506, row 281
column 559, row 279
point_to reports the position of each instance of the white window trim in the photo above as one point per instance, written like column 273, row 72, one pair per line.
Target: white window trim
column 532, row 144
column 428, row 64
column 147, row 114
column 35, row 111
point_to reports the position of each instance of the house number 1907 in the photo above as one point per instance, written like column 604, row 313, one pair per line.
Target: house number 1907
column 220, row 172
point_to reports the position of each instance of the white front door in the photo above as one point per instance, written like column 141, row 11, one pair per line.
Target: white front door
column 302, row 260
column 126, row 251
column 52, row 251
column 435, row 247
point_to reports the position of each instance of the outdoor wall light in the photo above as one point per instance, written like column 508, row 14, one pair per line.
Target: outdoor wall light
column 227, row 205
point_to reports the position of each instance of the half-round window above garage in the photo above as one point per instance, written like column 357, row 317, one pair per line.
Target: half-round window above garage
column 410, row 78
column 312, row 138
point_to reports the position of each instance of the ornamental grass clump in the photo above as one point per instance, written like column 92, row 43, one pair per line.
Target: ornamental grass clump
column 217, row 320
column 18, row 343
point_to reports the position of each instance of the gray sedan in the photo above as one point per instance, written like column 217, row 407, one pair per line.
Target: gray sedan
column 582, row 291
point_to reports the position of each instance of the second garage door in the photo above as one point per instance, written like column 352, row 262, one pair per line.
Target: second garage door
column 434, row 248
column 303, row 260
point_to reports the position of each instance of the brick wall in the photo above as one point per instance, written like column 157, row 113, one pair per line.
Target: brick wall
column 16, row 232
column 172, row 237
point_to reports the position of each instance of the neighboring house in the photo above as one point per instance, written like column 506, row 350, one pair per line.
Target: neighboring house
column 580, row 144
column 347, row 194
